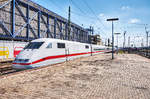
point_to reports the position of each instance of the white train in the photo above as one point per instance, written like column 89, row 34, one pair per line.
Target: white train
column 46, row 51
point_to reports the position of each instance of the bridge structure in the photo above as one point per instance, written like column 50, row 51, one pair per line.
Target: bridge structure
column 26, row 20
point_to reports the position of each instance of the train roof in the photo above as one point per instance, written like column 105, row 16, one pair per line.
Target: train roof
column 58, row 40
column 54, row 40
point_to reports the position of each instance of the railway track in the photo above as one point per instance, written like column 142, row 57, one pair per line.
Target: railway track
column 5, row 68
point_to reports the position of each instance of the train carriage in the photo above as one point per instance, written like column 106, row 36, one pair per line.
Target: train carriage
column 47, row 51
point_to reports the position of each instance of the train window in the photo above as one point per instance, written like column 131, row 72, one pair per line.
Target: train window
column 34, row 45
column 49, row 45
column 98, row 49
column 86, row 46
column 60, row 45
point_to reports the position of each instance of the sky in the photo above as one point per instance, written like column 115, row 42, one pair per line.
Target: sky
column 132, row 14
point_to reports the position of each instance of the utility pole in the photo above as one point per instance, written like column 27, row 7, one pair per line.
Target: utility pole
column 108, row 42
column 146, row 34
column 145, row 26
column 124, row 38
column 129, row 41
column 146, row 38
column 91, row 32
column 142, row 45
column 69, row 22
column 117, row 40
column 105, row 42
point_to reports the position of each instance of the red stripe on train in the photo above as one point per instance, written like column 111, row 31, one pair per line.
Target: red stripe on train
column 55, row 57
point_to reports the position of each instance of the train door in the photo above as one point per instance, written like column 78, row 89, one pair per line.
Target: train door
column 67, row 53
column 70, row 51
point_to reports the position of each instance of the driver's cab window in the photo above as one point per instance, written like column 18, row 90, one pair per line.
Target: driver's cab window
column 34, row 45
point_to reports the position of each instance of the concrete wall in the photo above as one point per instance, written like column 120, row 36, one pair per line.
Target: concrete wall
column 9, row 49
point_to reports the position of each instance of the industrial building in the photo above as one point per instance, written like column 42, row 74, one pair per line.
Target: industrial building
column 23, row 20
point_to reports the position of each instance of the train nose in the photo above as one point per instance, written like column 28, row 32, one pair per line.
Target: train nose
column 21, row 67
column 22, row 58
column 20, row 64
column 26, row 54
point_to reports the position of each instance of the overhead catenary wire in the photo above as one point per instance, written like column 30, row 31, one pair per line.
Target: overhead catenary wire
column 73, row 12
column 93, row 12
column 52, row 1
column 97, row 18
column 77, row 6
column 85, row 16
column 82, row 14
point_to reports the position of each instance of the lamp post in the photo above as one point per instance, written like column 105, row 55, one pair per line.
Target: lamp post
column 117, row 39
column 113, row 19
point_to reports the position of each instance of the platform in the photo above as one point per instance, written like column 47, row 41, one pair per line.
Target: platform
column 95, row 77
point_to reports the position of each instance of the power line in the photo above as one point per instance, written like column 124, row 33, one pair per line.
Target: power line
column 76, row 13
column 93, row 12
column 85, row 13
column 73, row 12
column 99, row 20
column 77, row 6
column 58, row 6
column 76, row 20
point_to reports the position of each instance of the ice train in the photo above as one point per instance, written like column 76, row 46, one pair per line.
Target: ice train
column 46, row 51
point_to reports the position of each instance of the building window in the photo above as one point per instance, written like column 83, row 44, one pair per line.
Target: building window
column 60, row 45
column 86, row 46
column 49, row 45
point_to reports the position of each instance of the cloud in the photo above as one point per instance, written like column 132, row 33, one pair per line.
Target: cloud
column 125, row 8
column 135, row 20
